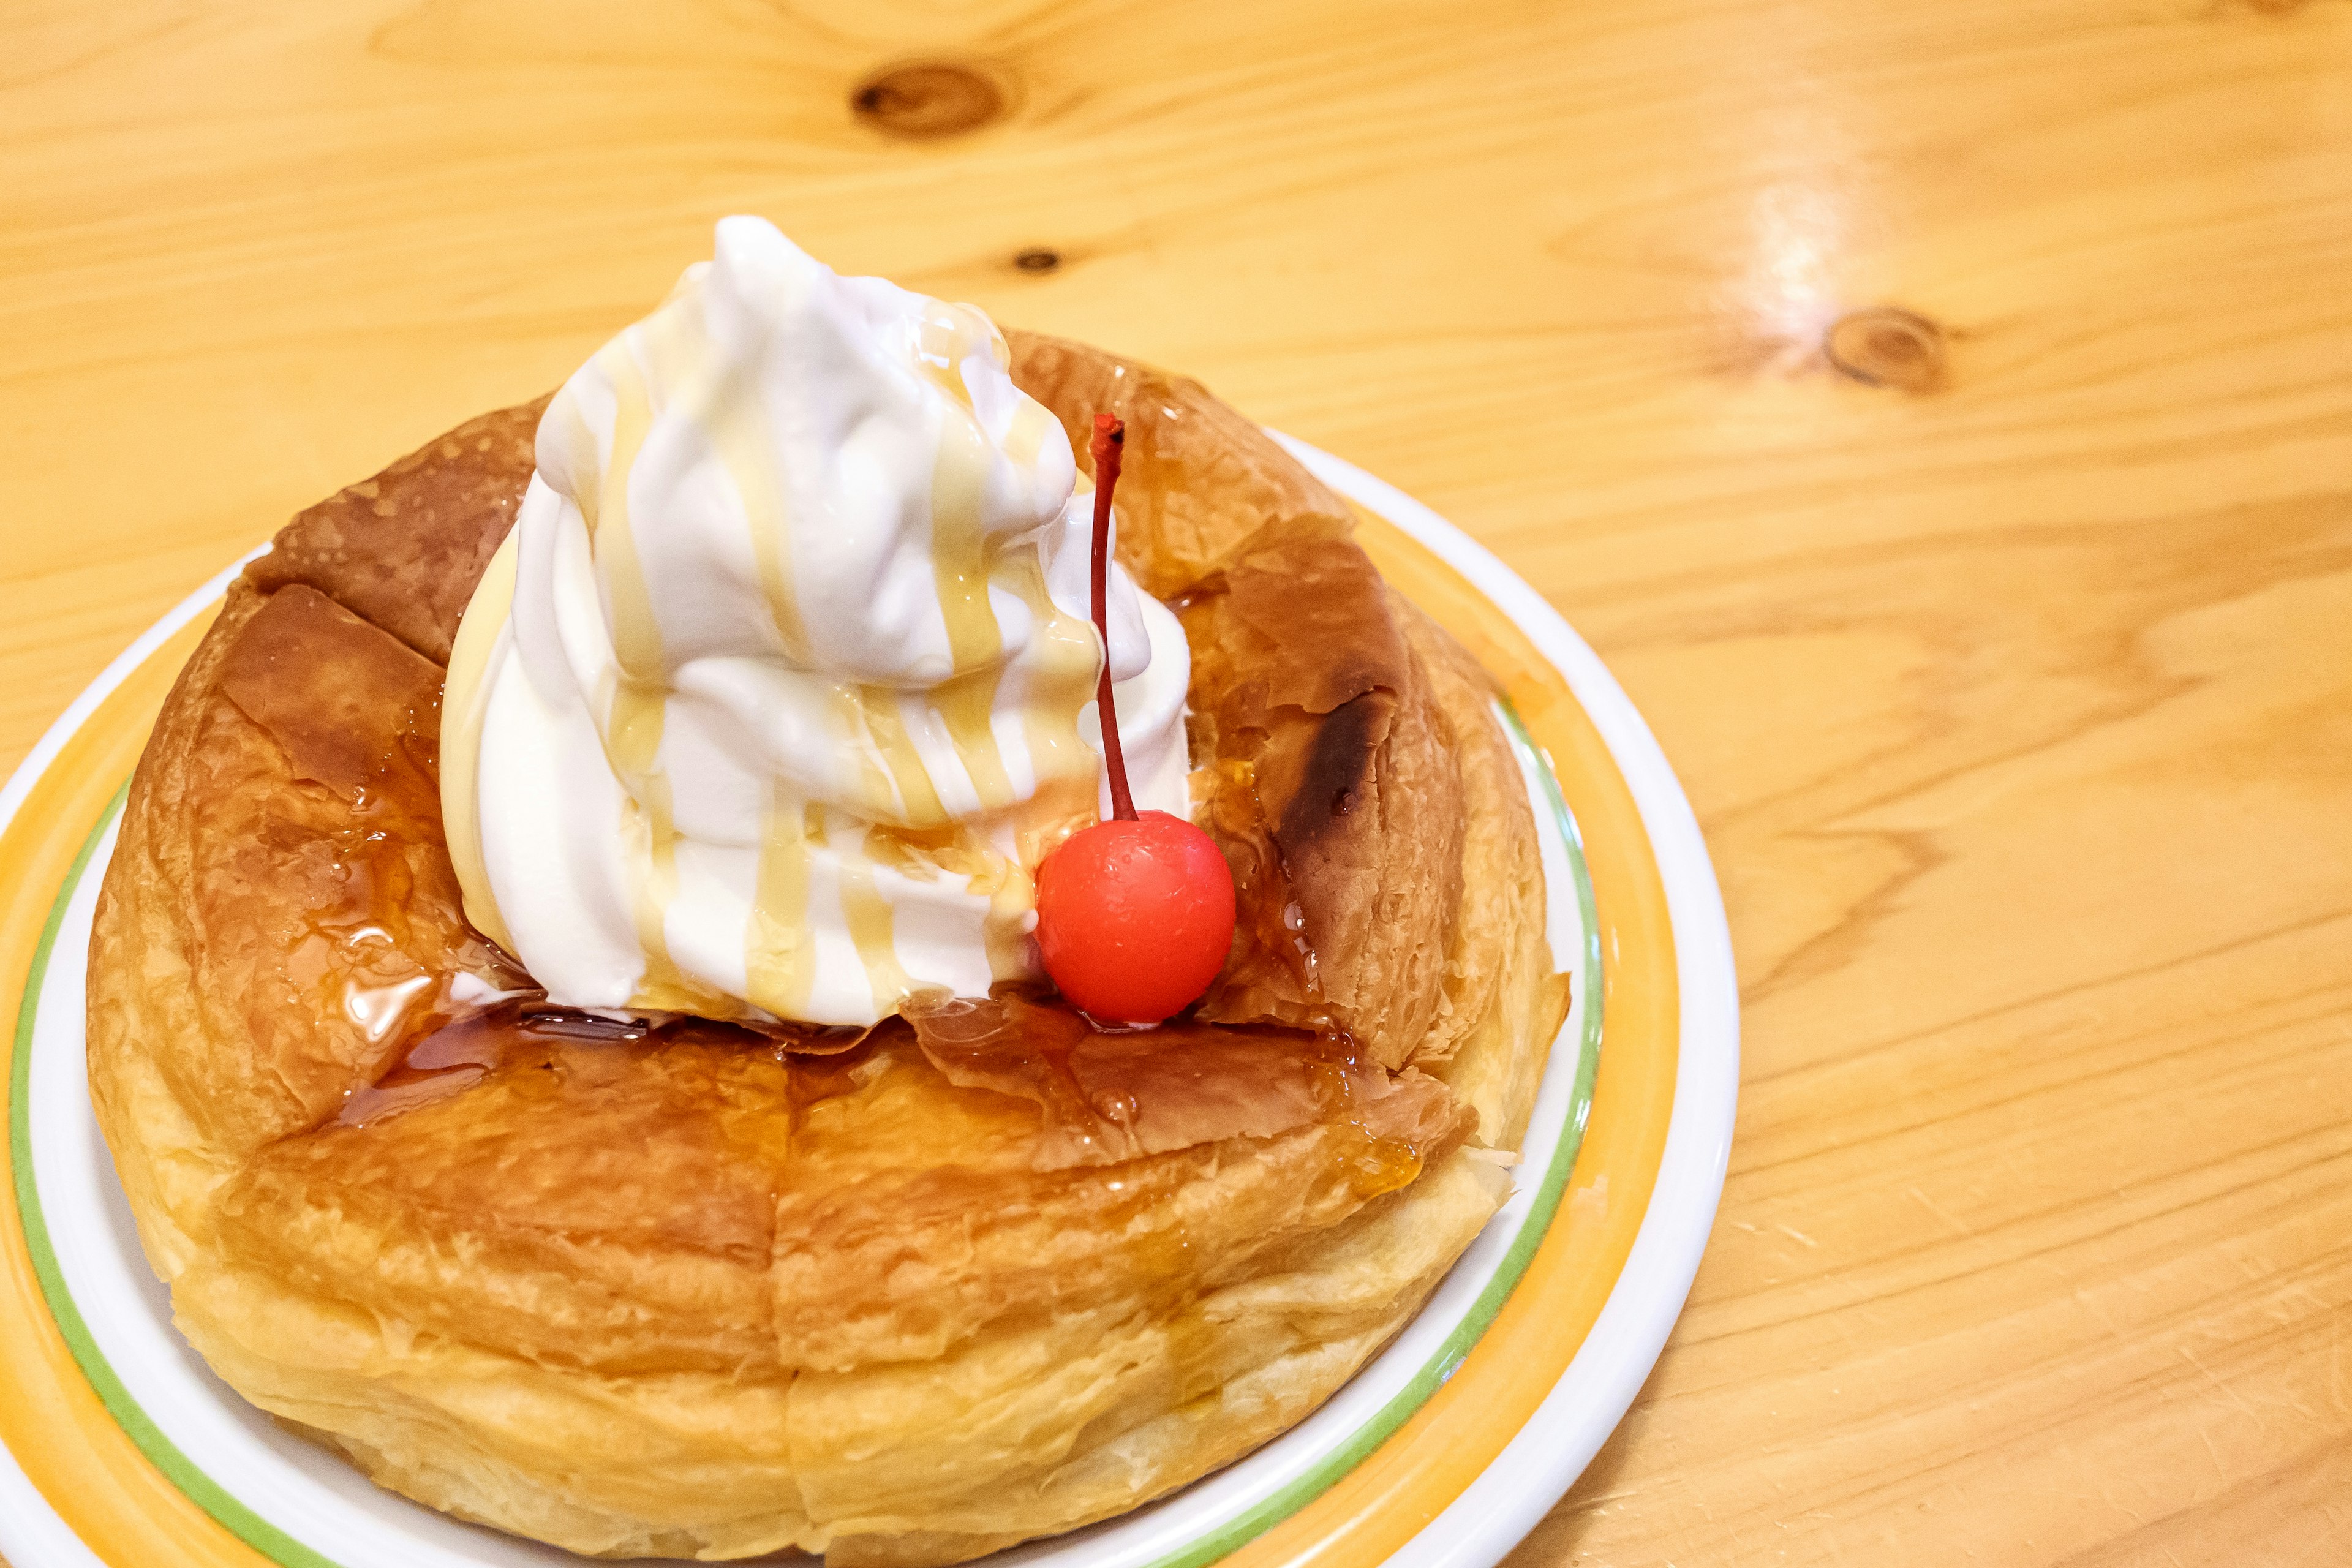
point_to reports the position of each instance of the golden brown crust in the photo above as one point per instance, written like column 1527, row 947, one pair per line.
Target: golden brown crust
column 302, row 901
column 1199, row 480
column 1333, row 794
column 690, row 1293
column 1496, row 989
column 1333, row 790
column 405, row 549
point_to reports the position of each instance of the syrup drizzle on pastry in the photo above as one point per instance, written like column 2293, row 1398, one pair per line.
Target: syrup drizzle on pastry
column 883, row 803
column 1100, row 1098
column 636, row 709
column 461, row 1051
column 1109, row 1096
column 379, row 949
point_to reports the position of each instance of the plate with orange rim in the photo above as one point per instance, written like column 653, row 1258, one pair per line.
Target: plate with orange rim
column 118, row 1447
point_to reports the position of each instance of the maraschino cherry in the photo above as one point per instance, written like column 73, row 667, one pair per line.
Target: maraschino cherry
column 1135, row 914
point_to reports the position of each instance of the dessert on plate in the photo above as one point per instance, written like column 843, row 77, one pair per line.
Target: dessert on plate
column 641, row 1000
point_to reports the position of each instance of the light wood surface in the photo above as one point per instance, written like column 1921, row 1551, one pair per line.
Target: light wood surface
column 1939, row 416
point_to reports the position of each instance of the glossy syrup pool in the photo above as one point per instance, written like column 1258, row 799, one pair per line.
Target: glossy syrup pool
column 450, row 1055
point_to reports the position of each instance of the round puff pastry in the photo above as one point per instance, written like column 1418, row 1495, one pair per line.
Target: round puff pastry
column 901, row 1297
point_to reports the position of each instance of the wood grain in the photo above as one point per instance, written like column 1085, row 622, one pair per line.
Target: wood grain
column 2002, row 633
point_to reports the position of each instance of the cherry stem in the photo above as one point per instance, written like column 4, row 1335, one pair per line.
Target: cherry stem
column 1110, row 437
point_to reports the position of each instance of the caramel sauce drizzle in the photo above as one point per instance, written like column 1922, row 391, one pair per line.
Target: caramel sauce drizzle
column 637, row 705
column 891, row 787
column 780, row 957
column 1271, row 941
column 466, row 686
column 960, row 564
column 443, row 1063
column 1099, row 1090
column 362, row 953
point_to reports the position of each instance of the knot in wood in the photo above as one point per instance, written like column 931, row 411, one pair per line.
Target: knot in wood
column 928, row 100
column 1885, row 346
column 1038, row 259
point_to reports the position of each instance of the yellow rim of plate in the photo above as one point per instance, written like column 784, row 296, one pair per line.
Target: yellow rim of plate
column 131, row 1515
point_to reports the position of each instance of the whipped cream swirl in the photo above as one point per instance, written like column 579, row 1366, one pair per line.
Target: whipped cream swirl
column 783, row 683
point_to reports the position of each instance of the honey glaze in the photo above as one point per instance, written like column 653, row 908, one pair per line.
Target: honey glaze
column 526, row 1033
column 1274, row 972
column 792, row 549
column 388, row 952
column 1109, row 1096
column 373, row 940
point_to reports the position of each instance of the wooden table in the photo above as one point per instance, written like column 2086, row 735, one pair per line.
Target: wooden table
column 1939, row 416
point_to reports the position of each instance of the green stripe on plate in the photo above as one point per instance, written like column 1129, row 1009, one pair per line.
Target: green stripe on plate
column 201, row 1489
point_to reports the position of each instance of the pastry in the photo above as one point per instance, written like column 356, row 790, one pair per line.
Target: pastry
column 727, row 1230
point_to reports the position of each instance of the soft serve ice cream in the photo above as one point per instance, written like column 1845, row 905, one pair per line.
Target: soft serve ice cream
column 783, row 685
